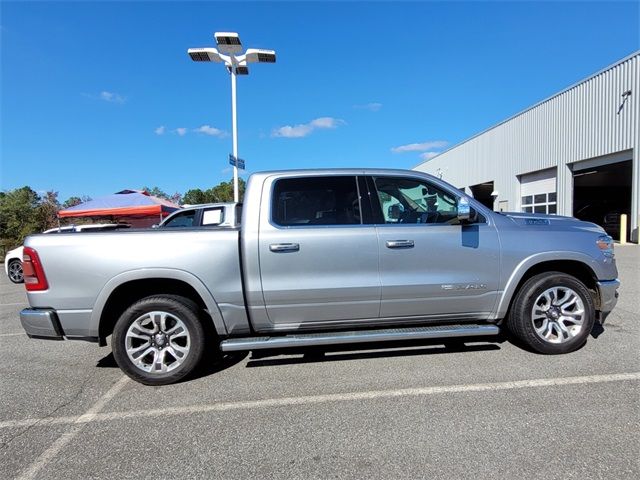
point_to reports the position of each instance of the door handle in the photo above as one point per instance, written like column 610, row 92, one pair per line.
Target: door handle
column 400, row 244
column 284, row 247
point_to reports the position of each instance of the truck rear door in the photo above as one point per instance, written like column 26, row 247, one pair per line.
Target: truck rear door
column 318, row 262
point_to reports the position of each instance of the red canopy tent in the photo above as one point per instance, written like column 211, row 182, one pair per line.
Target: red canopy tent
column 136, row 207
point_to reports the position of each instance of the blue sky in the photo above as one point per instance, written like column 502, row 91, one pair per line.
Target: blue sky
column 97, row 97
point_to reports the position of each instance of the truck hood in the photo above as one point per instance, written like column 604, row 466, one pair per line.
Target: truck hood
column 539, row 219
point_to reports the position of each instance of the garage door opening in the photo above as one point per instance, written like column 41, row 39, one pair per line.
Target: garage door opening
column 601, row 194
column 482, row 192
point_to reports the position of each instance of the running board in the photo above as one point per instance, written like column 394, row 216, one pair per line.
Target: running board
column 361, row 336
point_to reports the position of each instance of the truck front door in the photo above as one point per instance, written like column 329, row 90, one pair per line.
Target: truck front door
column 431, row 267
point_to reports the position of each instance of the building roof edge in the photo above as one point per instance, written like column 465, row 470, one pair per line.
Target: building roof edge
column 522, row 112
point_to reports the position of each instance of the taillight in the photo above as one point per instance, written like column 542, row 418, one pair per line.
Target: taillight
column 34, row 278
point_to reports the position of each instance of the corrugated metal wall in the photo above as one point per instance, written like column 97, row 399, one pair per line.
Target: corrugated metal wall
column 579, row 123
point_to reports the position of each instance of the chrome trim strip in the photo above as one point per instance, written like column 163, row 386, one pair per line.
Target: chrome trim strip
column 338, row 338
column 388, row 322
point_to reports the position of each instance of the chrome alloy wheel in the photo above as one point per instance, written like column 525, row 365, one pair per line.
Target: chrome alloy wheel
column 15, row 272
column 157, row 342
column 558, row 314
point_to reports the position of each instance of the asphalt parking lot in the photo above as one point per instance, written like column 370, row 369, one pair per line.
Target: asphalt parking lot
column 481, row 410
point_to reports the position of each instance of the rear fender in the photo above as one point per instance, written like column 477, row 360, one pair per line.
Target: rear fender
column 168, row 273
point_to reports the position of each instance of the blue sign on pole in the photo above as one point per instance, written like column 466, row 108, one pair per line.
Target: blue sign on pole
column 236, row 162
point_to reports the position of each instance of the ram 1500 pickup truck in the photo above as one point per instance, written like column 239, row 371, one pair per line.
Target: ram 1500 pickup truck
column 323, row 257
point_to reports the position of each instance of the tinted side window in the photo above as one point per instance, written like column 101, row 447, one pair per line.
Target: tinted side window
column 410, row 200
column 184, row 219
column 316, row 201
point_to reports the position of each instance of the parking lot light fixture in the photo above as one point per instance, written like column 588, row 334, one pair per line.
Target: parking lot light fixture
column 229, row 52
column 204, row 55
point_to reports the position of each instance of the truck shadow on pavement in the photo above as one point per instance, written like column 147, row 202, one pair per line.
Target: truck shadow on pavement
column 339, row 353
column 210, row 365
column 363, row 351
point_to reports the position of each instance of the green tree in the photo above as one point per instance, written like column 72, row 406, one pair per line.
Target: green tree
column 195, row 196
column 19, row 216
column 176, row 198
column 72, row 202
column 157, row 192
column 223, row 192
column 48, row 209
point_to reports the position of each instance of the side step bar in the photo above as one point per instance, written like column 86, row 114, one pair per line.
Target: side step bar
column 361, row 336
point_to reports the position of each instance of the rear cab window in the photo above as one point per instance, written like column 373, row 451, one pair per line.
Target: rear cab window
column 307, row 201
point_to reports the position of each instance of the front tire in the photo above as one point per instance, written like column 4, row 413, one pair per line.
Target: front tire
column 159, row 340
column 16, row 275
column 552, row 313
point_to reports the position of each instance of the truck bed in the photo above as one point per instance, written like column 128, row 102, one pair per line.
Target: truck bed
column 81, row 269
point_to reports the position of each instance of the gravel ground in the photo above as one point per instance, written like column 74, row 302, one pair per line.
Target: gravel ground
column 420, row 410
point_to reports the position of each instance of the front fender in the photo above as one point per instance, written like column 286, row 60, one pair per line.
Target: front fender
column 168, row 273
column 521, row 269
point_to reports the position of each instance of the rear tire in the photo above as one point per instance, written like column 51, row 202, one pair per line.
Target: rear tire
column 552, row 313
column 16, row 275
column 159, row 340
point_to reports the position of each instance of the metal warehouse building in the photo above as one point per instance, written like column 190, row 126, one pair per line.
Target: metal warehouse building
column 576, row 153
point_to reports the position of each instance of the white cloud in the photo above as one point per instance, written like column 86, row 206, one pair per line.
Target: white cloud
column 181, row 131
column 372, row 107
column 304, row 129
column 212, row 131
column 111, row 97
column 292, row 132
column 326, row 122
column 160, row 130
column 420, row 147
column 428, row 155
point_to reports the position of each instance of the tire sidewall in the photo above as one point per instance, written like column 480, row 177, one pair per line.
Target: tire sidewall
column 521, row 324
column 186, row 312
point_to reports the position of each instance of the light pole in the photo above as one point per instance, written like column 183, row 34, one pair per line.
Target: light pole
column 229, row 52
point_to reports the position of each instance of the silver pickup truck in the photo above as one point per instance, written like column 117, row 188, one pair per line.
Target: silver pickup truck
column 323, row 257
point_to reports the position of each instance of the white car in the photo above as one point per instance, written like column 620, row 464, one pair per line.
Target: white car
column 13, row 258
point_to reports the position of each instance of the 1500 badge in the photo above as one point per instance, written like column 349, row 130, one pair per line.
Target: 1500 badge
column 464, row 286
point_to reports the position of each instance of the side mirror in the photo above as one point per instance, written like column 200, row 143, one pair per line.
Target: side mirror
column 155, row 225
column 465, row 213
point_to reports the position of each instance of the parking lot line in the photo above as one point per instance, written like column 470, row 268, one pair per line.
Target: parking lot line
column 12, row 304
column 66, row 437
column 12, row 334
column 95, row 416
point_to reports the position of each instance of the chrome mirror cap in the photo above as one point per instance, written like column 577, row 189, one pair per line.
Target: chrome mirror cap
column 464, row 210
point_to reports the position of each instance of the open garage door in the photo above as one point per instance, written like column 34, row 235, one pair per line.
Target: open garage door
column 602, row 193
column 482, row 192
